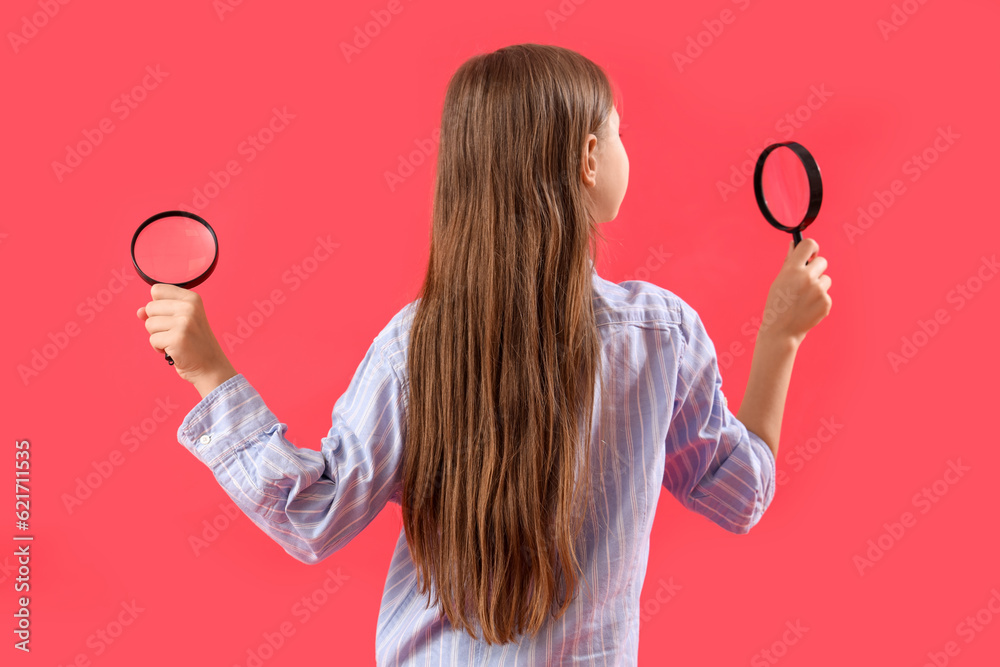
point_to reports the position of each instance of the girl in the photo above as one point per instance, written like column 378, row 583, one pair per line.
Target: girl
column 523, row 411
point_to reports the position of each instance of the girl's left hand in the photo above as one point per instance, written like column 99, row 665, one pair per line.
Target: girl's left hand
column 178, row 326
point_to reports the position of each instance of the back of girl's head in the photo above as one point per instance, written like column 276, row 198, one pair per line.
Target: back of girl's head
column 504, row 352
column 513, row 128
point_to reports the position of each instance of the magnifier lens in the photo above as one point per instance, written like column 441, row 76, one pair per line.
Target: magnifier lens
column 785, row 185
column 174, row 249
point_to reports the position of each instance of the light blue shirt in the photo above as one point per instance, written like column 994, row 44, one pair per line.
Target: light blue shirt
column 669, row 427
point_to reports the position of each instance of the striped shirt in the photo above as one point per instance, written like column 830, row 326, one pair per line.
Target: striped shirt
column 668, row 427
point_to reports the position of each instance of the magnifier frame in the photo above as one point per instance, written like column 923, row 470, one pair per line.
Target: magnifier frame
column 168, row 214
column 815, row 187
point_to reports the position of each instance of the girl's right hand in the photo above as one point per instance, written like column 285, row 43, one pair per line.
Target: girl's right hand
column 798, row 298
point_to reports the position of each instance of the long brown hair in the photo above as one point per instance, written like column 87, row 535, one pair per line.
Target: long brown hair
column 504, row 350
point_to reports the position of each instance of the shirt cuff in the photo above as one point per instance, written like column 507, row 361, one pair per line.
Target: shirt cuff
column 229, row 418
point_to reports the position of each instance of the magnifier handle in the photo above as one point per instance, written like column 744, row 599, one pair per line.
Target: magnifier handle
column 169, row 360
column 797, row 237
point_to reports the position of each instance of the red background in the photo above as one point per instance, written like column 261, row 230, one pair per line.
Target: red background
column 325, row 175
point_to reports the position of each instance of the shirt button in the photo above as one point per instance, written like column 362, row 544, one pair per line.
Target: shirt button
column 205, row 439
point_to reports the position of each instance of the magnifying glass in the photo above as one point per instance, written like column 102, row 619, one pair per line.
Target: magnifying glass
column 788, row 187
column 177, row 248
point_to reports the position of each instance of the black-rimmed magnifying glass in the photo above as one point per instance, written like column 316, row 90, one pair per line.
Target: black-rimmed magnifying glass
column 788, row 187
column 176, row 248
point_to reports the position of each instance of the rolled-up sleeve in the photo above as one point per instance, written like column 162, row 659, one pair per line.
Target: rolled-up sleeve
column 714, row 465
column 311, row 502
